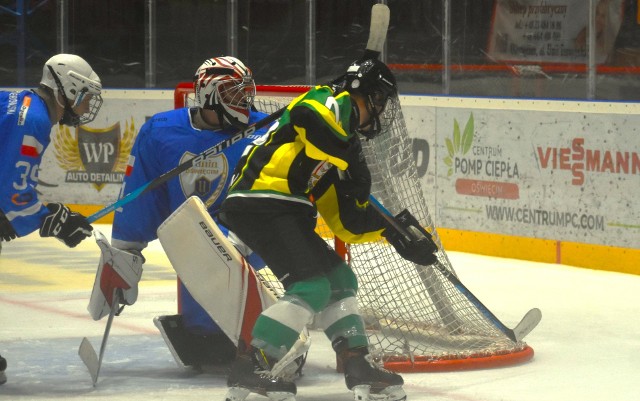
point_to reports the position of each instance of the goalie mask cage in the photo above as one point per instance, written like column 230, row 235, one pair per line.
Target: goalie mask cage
column 416, row 320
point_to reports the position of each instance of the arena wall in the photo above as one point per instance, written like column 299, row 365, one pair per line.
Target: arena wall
column 541, row 180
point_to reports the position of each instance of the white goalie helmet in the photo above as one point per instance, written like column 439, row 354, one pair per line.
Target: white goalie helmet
column 226, row 85
column 73, row 78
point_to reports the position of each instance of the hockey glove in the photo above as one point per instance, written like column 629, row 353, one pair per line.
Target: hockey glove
column 7, row 233
column 117, row 269
column 419, row 248
column 67, row 226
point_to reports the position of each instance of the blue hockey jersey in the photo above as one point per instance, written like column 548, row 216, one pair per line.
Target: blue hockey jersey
column 25, row 130
column 165, row 141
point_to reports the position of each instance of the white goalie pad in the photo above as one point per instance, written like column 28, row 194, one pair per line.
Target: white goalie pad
column 213, row 270
column 117, row 269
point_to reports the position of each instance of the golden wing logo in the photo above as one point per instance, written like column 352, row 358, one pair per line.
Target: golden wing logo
column 126, row 144
column 94, row 155
column 66, row 149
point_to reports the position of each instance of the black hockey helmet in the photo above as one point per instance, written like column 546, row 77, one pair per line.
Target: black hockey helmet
column 372, row 79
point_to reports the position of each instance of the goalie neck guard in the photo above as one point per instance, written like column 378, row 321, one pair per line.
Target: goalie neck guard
column 373, row 80
column 226, row 85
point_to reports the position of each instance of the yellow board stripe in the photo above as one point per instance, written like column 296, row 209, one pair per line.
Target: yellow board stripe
column 599, row 257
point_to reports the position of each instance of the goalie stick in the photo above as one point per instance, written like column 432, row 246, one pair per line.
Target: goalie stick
column 87, row 353
column 156, row 182
column 526, row 325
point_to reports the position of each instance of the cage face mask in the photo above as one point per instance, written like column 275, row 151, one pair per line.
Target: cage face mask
column 225, row 85
column 71, row 78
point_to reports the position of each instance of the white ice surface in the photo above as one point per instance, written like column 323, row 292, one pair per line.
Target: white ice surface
column 587, row 347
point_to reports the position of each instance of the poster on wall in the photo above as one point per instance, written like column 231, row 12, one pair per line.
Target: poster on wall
column 86, row 164
column 535, row 31
column 544, row 174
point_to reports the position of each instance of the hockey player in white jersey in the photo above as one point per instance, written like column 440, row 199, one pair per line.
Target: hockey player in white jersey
column 69, row 94
column 224, row 94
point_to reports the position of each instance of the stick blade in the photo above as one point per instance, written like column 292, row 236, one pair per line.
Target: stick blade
column 379, row 25
column 527, row 324
column 88, row 355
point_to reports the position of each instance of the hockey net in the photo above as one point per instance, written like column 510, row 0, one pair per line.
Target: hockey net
column 416, row 320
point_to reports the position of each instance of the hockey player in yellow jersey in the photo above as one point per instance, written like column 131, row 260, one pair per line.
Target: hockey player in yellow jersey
column 311, row 161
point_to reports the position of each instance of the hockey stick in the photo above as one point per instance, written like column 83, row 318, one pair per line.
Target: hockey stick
column 87, row 353
column 156, row 182
column 377, row 31
column 526, row 325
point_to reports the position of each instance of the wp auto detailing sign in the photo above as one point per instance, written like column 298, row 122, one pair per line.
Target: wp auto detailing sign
column 556, row 175
column 86, row 165
column 551, row 31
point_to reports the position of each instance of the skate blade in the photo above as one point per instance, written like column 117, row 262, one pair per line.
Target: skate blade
column 241, row 393
column 280, row 396
column 236, row 394
column 391, row 393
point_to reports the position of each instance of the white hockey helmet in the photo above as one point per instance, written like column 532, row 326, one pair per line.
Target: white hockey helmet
column 73, row 78
column 226, row 85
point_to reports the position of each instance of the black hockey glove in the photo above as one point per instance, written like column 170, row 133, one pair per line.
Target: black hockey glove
column 419, row 248
column 67, row 226
column 7, row 233
column 356, row 182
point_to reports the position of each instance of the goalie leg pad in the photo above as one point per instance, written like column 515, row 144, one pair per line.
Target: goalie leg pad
column 190, row 349
column 213, row 271
column 117, row 269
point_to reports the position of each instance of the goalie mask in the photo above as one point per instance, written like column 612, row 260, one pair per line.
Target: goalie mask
column 226, row 85
column 373, row 80
column 72, row 79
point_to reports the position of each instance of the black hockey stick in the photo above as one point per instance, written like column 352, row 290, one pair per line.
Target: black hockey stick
column 156, row 182
column 528, row 322
column 87, row 353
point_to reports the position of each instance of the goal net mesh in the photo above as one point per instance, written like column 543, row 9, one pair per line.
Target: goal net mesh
column 416, row 320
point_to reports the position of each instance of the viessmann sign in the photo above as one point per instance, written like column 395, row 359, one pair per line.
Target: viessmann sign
column 555, row 175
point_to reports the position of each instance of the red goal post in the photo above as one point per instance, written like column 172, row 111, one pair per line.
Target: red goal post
column 416, row 320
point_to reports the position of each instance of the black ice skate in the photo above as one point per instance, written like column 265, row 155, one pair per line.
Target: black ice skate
column 3, row 367
column 251, row 372
column 365, row 378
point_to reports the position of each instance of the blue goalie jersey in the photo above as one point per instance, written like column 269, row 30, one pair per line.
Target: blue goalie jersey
column 165, row 141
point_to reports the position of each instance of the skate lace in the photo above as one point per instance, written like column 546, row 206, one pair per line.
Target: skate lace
column 375, row 364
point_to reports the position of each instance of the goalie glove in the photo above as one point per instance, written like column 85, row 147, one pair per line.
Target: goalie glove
column 419, row 247
column 67, row 226
column 117, row 269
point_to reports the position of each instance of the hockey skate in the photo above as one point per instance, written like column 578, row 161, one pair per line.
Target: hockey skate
column 3, row 367
column 367, row 380
column 251, row 372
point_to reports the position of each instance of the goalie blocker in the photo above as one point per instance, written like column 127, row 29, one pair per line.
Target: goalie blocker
column 117, row 269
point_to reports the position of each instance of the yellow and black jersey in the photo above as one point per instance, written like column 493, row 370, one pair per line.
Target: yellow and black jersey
column 304, row 148
column 311, row 137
